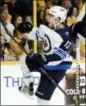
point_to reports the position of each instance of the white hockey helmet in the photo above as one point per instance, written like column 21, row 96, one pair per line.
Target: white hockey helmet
column 58, row 11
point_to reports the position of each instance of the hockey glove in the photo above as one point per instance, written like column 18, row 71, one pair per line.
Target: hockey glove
column 36, row 60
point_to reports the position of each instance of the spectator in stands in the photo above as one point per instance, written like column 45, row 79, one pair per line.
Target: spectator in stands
column 40, row 11
column 79, row 4
column 45, row 17
column 17, row 20
column 28, row 18
column 5, row 27
column 4, row 22
column 48, row 3
column 68, row 5
column 72, row 16
column 11, row 7
column 45, row 5
column 9, row 16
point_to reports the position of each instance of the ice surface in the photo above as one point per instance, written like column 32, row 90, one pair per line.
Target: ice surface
column 9, row 89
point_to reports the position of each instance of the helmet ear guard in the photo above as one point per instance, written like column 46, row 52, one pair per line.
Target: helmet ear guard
column 56, row 22
column 25, row 27
column 57, row 19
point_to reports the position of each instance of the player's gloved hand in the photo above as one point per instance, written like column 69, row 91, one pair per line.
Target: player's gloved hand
column 38, row 60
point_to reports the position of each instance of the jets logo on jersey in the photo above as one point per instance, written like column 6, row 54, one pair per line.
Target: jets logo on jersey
column 47, row 44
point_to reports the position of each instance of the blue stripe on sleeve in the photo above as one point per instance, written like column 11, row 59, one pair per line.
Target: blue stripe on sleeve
column 61, row 66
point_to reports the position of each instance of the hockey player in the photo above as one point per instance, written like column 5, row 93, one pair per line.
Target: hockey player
column 55, row 58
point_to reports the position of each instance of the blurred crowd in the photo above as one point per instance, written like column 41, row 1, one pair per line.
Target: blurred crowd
column 13, row 12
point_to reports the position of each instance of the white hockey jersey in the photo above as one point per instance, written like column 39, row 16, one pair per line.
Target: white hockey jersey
column 54, row 39
column 56, row 42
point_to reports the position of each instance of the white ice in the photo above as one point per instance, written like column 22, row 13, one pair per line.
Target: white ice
column 9, row 90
